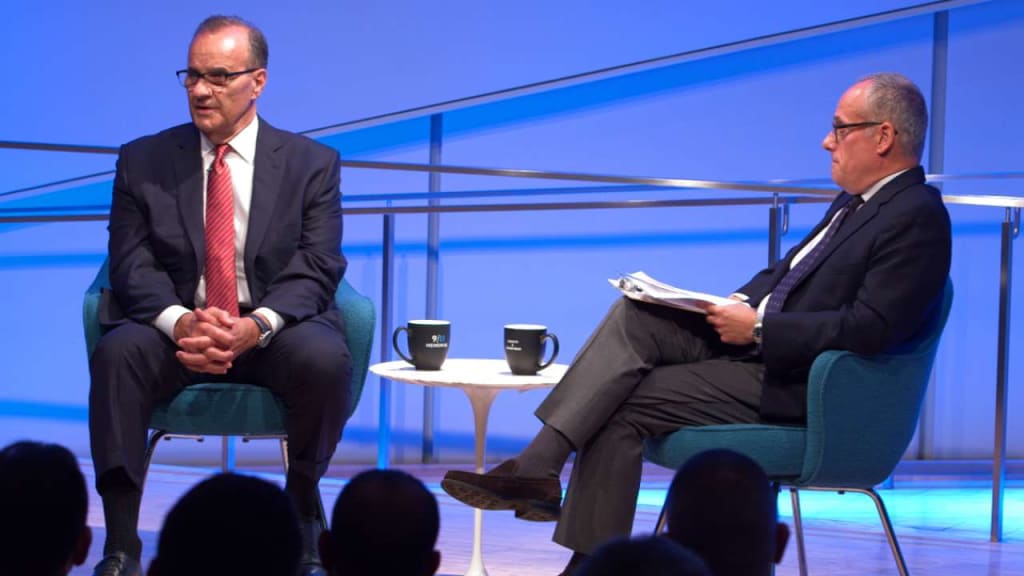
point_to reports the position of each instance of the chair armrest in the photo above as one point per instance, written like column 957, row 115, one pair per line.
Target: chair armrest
column 91, row 307
column 360, row 321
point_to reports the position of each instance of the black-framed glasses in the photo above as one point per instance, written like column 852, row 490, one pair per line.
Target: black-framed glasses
column 217, row 78
column 846, row 127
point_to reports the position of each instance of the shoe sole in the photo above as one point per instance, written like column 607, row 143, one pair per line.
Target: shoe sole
column 526, row 509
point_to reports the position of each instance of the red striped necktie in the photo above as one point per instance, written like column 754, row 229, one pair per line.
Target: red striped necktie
column 221, row 285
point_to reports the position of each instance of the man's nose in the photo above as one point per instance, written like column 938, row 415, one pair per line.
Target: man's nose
column 829, row 143
column 201, row 88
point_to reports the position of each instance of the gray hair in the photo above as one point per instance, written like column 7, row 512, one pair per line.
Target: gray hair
column 259, row 52
column 893, row 97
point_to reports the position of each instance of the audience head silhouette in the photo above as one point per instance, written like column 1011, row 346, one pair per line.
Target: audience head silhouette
column 722, row 507
column 229, row 524
column 384, row 522
column 44, row 503
column 650, row 556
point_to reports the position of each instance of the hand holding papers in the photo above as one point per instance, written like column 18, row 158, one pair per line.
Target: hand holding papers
column 641, row 287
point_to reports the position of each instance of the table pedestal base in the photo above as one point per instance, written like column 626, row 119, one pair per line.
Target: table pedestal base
column 480, row 400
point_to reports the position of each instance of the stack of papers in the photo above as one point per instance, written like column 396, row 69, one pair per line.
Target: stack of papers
column 641, row 287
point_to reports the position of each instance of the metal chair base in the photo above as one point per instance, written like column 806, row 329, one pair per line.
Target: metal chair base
column 227, row 457
column 883, row 516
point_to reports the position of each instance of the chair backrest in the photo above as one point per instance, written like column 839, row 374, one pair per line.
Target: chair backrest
column 862, row 411
column 357, row 310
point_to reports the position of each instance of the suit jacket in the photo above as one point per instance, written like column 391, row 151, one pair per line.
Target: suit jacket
column 292, row 255
column 877, row 283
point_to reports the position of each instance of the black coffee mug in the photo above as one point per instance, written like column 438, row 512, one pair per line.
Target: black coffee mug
column 524, row 348
column 428, row 343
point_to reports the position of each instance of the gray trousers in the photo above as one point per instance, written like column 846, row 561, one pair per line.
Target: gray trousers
column 646, row 371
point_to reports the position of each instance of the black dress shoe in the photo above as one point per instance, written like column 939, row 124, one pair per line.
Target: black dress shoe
column 575, row 562
column 117, row 564
column 309, row 562
column 534, row 499
column 311, row 569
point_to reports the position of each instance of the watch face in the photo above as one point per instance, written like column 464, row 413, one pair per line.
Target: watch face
column 264, row 339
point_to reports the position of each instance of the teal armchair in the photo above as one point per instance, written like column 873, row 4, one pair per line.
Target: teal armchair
column 239, row 409
column 862, row 412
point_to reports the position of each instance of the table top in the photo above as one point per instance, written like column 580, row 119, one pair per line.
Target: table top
column 471, row 373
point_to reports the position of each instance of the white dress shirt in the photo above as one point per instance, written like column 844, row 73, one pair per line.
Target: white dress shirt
column 240, row 160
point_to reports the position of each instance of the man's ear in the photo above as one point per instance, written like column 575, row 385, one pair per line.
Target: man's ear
column 260, row 82
column 781, row 539
column 326, row 553
column 886, row 135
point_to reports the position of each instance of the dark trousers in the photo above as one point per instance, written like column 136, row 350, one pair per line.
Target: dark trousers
column 646, row 371
column 133, row 367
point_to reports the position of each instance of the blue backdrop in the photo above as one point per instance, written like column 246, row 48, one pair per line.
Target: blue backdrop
column 101, row 73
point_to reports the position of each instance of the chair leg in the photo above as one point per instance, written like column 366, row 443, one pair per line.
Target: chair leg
column 284, row 453
column 662, row 519
column 883, row 515
column 227, row 454
column 798, row 527
column 319, row 498
column 150, row 448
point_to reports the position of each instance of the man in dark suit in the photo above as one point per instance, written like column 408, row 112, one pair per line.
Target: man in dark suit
column 225, row 256
column 866, row 279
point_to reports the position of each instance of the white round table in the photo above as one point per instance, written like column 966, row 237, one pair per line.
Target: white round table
column 481, row 380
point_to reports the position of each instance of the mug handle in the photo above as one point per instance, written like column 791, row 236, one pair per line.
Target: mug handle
column 554, row 350
column 394, row 342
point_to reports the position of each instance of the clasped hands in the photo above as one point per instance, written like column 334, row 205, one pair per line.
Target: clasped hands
column 733, row 322
column 211, row 339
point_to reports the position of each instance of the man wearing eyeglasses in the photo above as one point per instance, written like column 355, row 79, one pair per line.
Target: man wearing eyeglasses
column 866, row 279
column 225, row 239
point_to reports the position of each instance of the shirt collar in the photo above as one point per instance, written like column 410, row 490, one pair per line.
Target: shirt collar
column 243, row 144
column 878, row 185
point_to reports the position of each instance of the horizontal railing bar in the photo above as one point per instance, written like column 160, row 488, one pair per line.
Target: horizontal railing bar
column 774, row 186
column 59, row 185
column 581, row 177
column 989, row 201
column 50, row 147
column 571, row 205
column 428, row 208
column 51, row 209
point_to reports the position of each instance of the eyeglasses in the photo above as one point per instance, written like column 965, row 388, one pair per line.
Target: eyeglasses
column 850, row 126
column 218, row 78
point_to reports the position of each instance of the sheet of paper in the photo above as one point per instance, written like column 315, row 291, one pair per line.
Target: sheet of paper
column 642, row 287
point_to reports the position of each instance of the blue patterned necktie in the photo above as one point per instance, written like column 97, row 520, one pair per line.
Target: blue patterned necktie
column 797, row 272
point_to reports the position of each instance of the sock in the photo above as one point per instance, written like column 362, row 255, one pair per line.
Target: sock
column 310, row 531
column 546, row 454
column 303, row 492
column 577, row 560
column 121, row 501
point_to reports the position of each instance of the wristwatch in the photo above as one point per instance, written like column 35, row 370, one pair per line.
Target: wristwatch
column 757, row 333
column 265, row 330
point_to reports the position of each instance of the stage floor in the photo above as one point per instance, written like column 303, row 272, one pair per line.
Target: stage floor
column 942, row 528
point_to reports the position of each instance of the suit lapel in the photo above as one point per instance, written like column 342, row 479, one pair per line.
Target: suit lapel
column 268, row 170
column 188, row 175
column 869, row 210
